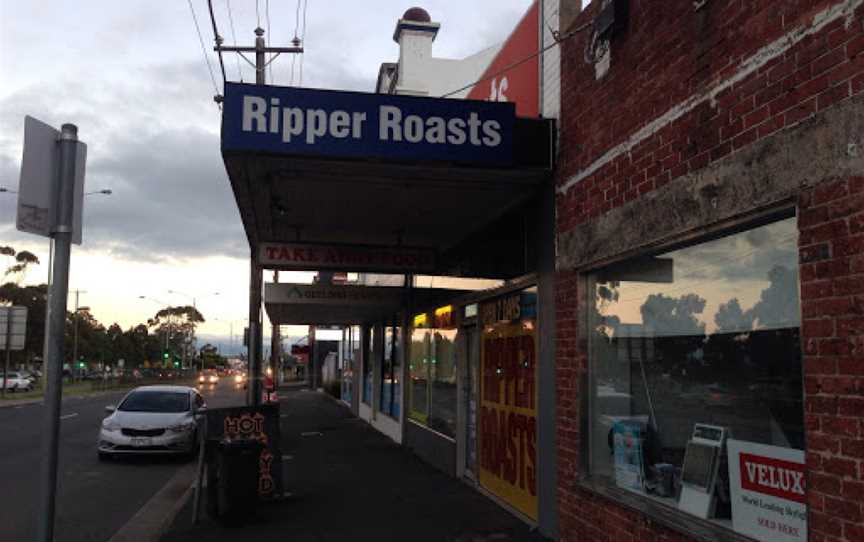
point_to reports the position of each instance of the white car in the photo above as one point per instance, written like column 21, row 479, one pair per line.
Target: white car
column 153, row 420
column 17, row 382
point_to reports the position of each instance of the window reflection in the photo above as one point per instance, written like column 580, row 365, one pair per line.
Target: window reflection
column 704, row 334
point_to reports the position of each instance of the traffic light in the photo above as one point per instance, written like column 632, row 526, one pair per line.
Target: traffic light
column 166, row 354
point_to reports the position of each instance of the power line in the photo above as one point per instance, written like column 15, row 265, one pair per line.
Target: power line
column 518, row 63
column 218, row 39
column 204, row 49
column 303, row 40
column 234, row 37
column 296, row 40
column 267, row 12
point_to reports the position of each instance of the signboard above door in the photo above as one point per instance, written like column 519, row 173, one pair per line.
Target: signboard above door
column 316, row 257
column 337, row 124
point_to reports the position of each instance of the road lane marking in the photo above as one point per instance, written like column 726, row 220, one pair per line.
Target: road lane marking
column 67, row 416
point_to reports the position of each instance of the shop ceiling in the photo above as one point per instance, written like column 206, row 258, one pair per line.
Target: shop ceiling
column 302, row 304
column 371, row 169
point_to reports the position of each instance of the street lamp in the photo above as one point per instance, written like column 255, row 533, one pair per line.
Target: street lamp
column 106, row 191
column 192, row 297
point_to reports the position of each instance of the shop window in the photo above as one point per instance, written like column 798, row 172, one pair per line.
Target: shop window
column 442, row 412
column 433, row 371
column 418, row 368
column 695, row 356
column 368, row 361
column 507, row 417
column 390, row 373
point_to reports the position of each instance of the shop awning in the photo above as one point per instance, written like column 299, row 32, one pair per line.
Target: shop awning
column 376, row 170
column 341, row 304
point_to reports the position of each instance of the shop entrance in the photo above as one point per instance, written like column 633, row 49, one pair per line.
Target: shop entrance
column 471, row 386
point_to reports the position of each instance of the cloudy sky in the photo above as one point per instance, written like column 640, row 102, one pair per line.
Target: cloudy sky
column 132, row 76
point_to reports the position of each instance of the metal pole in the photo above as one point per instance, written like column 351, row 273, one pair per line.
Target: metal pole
column 55, row 321
column 254, row 346
column 275, row 341
column 260, row 64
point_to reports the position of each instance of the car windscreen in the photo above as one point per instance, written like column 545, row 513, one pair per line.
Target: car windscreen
column 155, row 401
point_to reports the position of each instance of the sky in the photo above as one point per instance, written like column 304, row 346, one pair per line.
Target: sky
column 132, row 76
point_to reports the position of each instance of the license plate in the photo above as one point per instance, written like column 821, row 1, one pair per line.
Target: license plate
column 141, row 441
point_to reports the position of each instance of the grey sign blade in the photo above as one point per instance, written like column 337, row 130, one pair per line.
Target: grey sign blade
column 36, row 188
column 15, row 327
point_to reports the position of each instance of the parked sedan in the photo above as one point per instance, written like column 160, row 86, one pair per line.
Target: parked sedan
column 152, row 420
column 17, row 382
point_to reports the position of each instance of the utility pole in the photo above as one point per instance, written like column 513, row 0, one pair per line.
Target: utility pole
column 260, row 49
column 275, row 343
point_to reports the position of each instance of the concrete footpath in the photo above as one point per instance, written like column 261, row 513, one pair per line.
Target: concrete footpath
column 351, row 483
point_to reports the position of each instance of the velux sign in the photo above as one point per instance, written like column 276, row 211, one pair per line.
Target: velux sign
column 334, row 124
column 768, row 491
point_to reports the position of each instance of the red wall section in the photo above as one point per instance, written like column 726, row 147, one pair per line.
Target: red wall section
column 520, row 84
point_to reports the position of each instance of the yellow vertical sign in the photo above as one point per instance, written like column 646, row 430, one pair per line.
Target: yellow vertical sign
column 508, row 413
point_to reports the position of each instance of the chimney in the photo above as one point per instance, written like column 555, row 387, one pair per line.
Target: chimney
column 414, row 33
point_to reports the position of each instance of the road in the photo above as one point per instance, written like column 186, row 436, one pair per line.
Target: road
column 94, row 498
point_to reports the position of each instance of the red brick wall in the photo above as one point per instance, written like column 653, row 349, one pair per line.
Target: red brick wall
column 831, row 222
column 669, row 54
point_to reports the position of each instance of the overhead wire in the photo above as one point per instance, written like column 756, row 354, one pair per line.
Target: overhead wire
column 296, row 28
column 303, row 41
column 204, row 50
column 217, row 39
column 269, row 39
column 521, row 61
column 234, row 38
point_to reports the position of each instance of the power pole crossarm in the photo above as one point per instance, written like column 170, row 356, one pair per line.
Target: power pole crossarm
column 261, row 50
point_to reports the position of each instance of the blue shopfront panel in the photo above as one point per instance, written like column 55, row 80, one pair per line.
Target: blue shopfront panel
column 336, row 124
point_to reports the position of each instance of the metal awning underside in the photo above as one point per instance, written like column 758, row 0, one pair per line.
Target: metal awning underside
column 376, row 202
column 380, row 304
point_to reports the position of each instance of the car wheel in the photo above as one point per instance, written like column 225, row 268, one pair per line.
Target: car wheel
column 104, row 456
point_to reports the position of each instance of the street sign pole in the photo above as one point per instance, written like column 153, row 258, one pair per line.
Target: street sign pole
column 61, row 239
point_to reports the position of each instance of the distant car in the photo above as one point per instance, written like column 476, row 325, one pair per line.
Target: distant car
column 152, row 420
column 208, row 377
column 17, row 382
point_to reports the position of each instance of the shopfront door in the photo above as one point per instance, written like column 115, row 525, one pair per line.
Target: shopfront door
column 471, row 347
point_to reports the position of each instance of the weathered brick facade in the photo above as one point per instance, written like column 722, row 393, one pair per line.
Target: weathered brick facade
column 711, row 114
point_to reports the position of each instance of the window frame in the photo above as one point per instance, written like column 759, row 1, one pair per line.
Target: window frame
column 660, row 512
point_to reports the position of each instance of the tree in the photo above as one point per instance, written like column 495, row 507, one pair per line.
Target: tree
column 177, row 327
column 23, row 260
column 210, row 356
column 669, row 316
column 730, row 318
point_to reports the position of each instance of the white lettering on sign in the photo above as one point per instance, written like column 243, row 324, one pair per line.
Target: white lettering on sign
column 310, row 125
column 767, row 475
column 312, row 256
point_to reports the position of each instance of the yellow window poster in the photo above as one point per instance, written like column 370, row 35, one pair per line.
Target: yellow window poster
column 508, row 410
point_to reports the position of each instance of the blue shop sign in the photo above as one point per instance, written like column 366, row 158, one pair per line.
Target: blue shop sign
column 335, row 124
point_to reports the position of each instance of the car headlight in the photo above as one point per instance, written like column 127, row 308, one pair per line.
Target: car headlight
column 182, row 427
column 110, row 425
column 238, row 379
